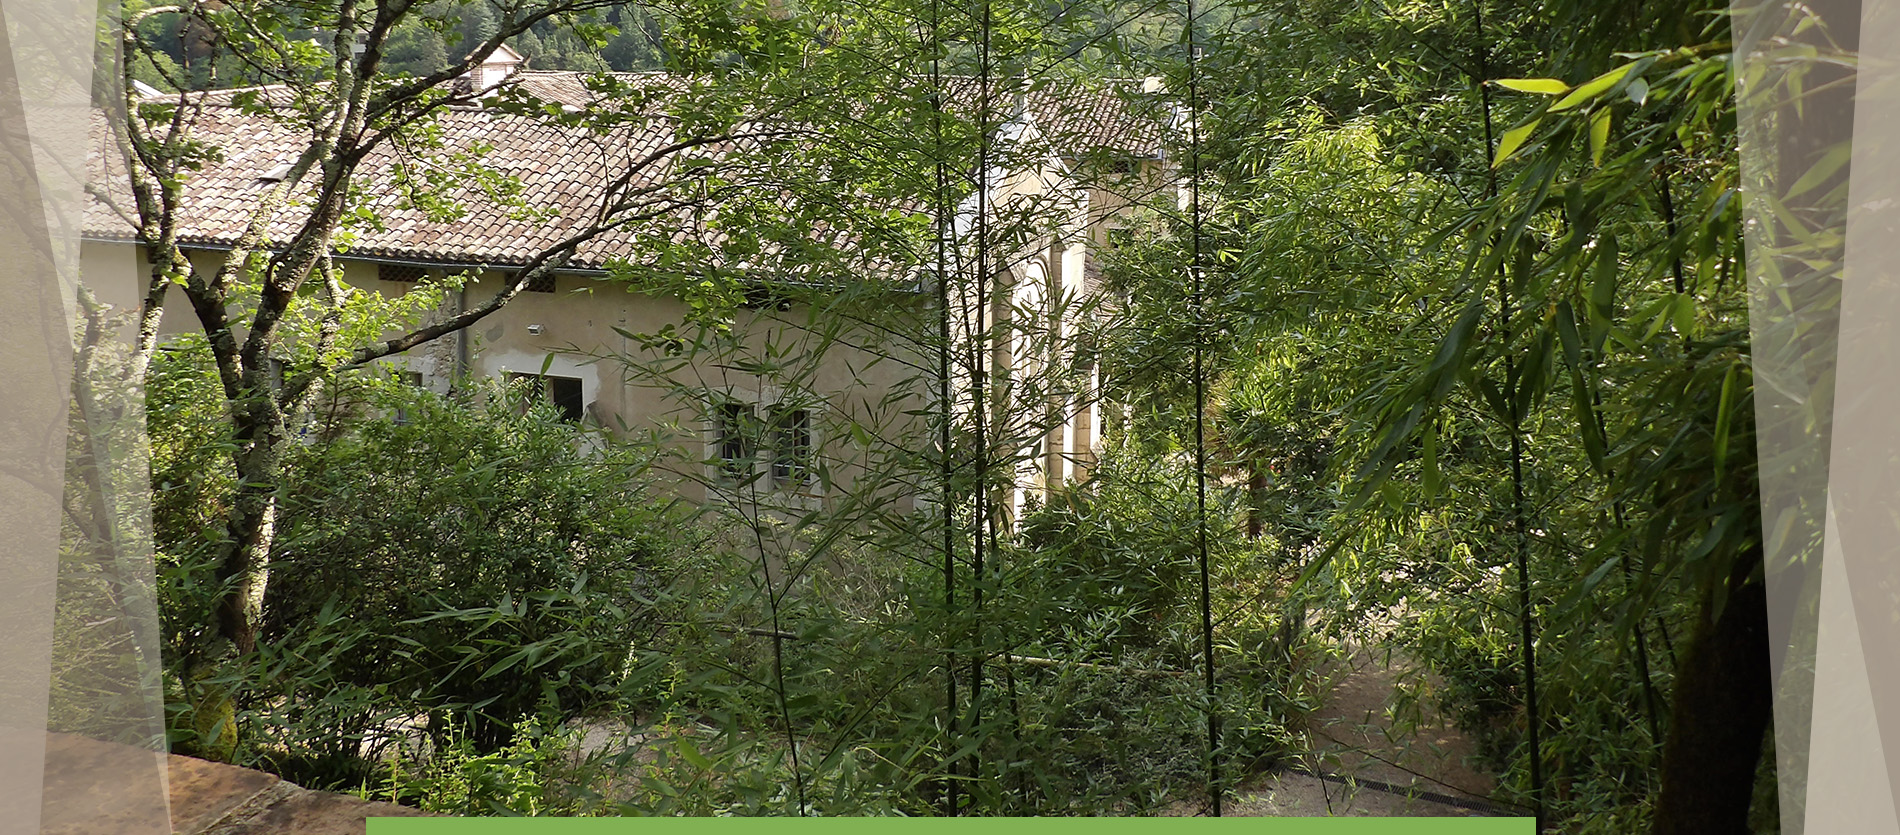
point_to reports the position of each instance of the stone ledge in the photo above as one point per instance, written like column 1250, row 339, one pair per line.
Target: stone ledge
column 101, row 788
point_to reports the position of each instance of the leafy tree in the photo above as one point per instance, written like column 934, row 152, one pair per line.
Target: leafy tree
column 277, row 317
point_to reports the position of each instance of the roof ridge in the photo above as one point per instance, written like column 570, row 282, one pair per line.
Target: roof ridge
column 217, row 91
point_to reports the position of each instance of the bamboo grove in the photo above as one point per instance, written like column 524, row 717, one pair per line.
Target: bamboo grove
column 1427, row 335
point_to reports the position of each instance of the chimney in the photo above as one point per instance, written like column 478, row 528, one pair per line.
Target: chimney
column 495, row 69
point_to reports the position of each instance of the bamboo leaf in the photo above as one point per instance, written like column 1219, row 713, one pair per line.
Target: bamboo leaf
column 1393, row 498
column 1682, row 314
column 1724, row 413
column 1542, row 86
column 1531, row 375
column 1567, row 335
column 1599, row 135
column 1451, row 352
column 1658, row 314
column 1512, row 140
column 1594, row 445
column 1593, row 88
column 1494, row 397
column 1823, row 168
column 692, row 755
column 1603, row 293
column 1603, row 286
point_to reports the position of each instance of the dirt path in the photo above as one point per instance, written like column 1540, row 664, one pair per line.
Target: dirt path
column 1369, row 768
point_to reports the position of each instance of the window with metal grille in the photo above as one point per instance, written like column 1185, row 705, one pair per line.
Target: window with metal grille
column 413, row 379
column 401, row 273
column 765, row 298
column 732, row 435
column 543, row 283
column 791, row 447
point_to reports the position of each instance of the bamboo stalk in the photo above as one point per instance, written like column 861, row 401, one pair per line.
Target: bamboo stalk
column 1214, row 791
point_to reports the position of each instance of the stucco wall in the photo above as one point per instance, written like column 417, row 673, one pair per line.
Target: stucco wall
column 777, row 355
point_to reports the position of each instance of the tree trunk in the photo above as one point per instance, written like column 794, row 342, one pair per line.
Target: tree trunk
column 1721, row 711
column 251, row 528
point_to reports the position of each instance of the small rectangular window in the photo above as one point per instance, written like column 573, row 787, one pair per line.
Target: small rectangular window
column 543, row 283
column 791, row 447
column 732, row 435
column 412, row 379
column 401, row 273
column 563, row 392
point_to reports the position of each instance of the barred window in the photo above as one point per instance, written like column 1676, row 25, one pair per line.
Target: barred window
column 401, row 273
column 412, row 379
column 765, row 298
column 733, row 425
column 791, row 447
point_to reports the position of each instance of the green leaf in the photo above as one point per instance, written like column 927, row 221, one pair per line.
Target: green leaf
column 692, row 755
column 1513, row 139
column 1603, row 291
column 1599, row 135
column 1682, row 314
column 1585, row 403
column 1638, row 91
column 1825, row 167
column 1723, row 415
column 1542, row 86
column 1657, row 314
column 1494, row 397
column 1593, row 88
column 1393, row 498
column 1567, row 335
column 1531, row 375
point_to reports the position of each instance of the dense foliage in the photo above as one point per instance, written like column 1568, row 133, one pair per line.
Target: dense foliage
column 469, row 557
column 1487, row 261
column 1465, row 372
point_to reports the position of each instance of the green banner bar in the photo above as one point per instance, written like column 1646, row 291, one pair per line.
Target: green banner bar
column 934, row 826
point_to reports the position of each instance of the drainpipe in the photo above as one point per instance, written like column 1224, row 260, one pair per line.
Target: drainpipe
column 461, row 338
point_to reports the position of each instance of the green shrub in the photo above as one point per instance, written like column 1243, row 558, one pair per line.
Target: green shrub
column 492, row 554
column 471, row 555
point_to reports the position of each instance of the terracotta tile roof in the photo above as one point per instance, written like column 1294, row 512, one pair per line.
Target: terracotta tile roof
column 1077, row 119
column 563, row 172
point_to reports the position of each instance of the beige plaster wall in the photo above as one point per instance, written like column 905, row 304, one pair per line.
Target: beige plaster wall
column 847, row 380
